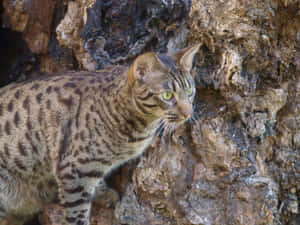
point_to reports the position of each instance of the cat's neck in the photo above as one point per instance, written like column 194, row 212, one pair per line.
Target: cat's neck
column 144, row 123
column 122, row 113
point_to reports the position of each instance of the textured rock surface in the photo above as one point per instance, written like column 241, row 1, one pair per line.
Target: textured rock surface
column 238, row 160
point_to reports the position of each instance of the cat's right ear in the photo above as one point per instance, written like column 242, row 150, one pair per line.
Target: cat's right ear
column 145, row 65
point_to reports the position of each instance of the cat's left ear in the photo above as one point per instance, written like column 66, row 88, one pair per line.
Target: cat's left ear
column 185, row 57
column 145, row 65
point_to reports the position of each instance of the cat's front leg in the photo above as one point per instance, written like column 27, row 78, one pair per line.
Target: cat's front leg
column 105, row 196
column 76, row 190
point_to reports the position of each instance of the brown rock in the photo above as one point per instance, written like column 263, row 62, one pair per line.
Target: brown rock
column 32, row 18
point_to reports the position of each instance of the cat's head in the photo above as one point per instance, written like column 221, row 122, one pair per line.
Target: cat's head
column 162, row 85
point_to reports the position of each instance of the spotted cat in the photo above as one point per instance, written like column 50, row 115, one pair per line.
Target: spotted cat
column 61, row 134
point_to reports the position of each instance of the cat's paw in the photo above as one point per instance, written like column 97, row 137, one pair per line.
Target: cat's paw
column 11, row 221
column 106, row 197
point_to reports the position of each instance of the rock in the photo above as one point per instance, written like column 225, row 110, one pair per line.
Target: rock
column 69, row 33
column 32, row 18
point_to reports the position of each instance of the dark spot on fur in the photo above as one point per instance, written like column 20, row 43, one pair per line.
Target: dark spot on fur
column 39, row 97
column 70, row 85
column 10, row 106
column 17, row 94
column 87, row 117
column 19, row 164
column 71, row 219
column 22, row 149
column 66, row 131
column 33, row 146
column 37, row 136
column 76, row 79
column 108, row 79
column 40, row 116
column 76, row 153
column 7, row 128
column 68, row 102
column 16, row 119
column 26, row 103
column 82, row 135
column 48, row 90
column 48, row 104
column 6, row 150
column 56, row 89
column 61, row 167
column 90, row 174
column 78, row 91
column 82, row 216
column 99, row 151
column 35, row 86
column 28, row 124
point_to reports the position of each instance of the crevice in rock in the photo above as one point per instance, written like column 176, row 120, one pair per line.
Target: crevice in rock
column 16, row 60
column 15, row 57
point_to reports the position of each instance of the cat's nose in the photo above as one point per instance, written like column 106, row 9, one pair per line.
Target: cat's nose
column 186, row 110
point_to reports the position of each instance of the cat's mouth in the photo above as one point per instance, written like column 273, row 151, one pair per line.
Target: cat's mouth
column 172, row 118
column 170, row 122
column 175, row 118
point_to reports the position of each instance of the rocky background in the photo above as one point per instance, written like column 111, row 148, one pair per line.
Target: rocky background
column 238, row 160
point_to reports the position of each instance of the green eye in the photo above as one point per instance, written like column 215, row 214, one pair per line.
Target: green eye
column 189, row 91
column 167, row 95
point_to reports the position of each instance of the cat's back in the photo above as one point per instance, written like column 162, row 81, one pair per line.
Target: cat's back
column 32, row 112
column 63, row 82
column 58, row 87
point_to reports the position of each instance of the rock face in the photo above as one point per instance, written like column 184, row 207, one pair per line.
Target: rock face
column 238, row 160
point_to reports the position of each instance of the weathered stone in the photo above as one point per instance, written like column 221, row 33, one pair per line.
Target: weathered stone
column 32, row 18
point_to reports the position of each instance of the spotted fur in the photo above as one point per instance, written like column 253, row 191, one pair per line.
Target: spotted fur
column 61, row 134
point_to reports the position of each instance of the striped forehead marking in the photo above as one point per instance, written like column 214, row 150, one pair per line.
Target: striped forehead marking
column 177, row 77
column 180, row 80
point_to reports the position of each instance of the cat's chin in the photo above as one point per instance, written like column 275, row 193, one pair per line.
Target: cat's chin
column 178, row 122
column 181, row 122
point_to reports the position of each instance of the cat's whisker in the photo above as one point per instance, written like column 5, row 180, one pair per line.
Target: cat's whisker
column 169, row 133
column 161, row 127
column 166, row 130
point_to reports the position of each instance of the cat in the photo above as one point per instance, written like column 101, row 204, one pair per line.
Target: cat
column 61, row 134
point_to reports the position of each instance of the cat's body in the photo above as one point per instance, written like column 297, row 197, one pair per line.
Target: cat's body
column 58, row 113
column 60, row 135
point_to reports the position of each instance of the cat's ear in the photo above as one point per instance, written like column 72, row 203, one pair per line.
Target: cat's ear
column 145, row 65
column 185, row 57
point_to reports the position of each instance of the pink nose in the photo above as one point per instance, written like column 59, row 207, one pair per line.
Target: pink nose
column 186, row 110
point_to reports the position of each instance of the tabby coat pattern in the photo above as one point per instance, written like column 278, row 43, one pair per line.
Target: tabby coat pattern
column 61, row 134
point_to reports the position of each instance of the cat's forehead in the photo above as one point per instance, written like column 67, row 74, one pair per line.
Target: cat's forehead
column 170, row 81
column 171, row 76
